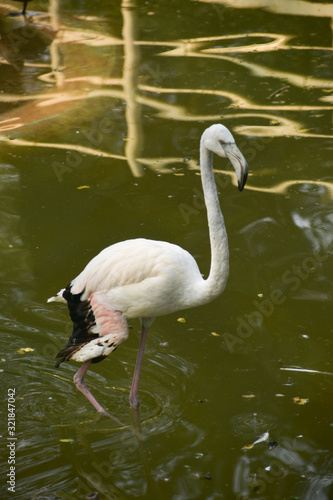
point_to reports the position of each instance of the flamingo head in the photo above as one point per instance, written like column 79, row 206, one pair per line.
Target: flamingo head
column 219, row 140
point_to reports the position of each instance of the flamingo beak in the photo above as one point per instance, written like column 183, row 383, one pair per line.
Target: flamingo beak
column 238, row 162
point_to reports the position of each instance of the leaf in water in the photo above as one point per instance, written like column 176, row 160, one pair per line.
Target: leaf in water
column 181, row 320
column 215, row 334
column 248, row 396
column 300, row 401
column 25, row 349
column 66, row 440
column 278, row 395
column 83, row 187
column 247, row 447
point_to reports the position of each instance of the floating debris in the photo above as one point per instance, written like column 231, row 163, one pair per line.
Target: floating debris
column 25, row 349
column 263, row 437
column 306, row 370
column 278, row 92
column 300, row 401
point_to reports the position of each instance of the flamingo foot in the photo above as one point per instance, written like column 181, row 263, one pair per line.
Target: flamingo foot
column 81, row 385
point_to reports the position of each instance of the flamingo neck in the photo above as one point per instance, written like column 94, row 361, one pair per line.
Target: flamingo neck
column 219, row 269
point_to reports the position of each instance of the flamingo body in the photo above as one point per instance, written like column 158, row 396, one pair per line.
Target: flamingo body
column 143, row 278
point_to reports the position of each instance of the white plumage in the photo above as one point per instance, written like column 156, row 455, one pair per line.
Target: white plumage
column 143, row 278
column 100, row 347
column 138, row 275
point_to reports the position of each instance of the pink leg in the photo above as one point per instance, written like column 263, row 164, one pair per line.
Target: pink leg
column 81, row 385
column 134, row 397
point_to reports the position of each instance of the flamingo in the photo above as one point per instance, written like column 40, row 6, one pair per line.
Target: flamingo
column 141, row 278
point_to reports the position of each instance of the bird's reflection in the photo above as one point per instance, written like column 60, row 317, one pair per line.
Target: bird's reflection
column 290, row 457
column 21, row 38
column 24, row 9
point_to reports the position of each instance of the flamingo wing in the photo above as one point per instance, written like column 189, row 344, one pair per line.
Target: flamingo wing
column 98, row 328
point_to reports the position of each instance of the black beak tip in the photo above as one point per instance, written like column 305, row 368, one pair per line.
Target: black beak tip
column 242, row 181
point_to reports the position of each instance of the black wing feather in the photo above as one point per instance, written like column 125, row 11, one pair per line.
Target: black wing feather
column 83, row 319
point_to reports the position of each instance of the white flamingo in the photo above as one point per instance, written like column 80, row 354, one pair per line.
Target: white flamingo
column 143, row 279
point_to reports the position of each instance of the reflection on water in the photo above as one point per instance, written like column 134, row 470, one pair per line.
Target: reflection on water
column 254, row 476
column 114, row 100
column 252, row 425
column 291, row 7
column 257, row 119
column 16, row 273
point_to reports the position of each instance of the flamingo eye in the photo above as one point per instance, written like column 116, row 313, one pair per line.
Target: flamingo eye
column 225, row 144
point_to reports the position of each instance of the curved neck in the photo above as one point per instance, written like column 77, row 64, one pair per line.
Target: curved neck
column 219, row 269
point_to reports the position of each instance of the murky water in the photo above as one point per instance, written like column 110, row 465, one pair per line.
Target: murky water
column 102, row 109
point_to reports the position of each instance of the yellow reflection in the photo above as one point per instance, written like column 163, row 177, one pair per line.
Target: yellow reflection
column 281, row 187
column 291, row 7
column 68, row 88
column 68, row 147
column 134, row 141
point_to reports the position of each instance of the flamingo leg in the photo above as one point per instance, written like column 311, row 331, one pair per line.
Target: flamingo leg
column 134, row 396
column 81, row 385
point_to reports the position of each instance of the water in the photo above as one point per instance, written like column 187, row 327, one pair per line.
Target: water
column 99, row 143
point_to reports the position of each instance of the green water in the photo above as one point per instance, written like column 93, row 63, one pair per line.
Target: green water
column 102, row 108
